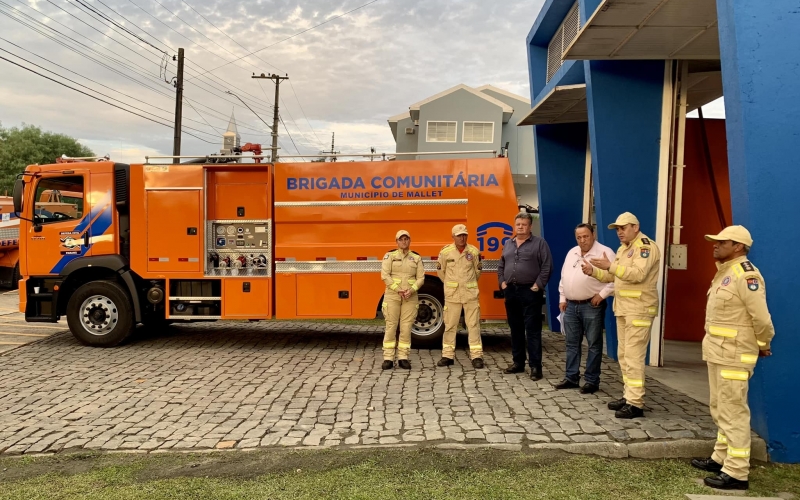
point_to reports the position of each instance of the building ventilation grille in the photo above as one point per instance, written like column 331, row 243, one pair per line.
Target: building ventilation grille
column 564, row 36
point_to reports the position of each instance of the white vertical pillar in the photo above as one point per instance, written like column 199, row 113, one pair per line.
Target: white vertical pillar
column 662, row 222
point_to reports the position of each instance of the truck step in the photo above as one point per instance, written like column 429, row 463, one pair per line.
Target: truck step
column 42, row 319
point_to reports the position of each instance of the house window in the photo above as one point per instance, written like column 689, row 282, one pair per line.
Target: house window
column 479, row 132
column 441, row 132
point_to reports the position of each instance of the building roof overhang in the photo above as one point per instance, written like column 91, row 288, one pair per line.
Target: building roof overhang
column 564, row 104
column 648, row 29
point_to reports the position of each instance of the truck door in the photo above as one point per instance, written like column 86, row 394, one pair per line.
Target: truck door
column 63, row 231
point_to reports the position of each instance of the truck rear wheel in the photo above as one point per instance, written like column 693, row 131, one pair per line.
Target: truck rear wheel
column 100, row 314
column 428, row 329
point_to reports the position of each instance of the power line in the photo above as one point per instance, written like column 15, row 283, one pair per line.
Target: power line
column 290, row 137
column 297, row 98
column 97, row 98
column 93, row 81
column 128, row 68
column 296, row 34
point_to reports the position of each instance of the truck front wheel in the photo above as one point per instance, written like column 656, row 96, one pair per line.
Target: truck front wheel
column 100, row 314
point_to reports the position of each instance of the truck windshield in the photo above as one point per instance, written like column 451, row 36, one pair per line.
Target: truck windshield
column 59, row 199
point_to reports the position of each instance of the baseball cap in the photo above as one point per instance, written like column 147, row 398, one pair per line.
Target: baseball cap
column 459, row 229
column 623, row 219
column 734, row 233
column 400, row 233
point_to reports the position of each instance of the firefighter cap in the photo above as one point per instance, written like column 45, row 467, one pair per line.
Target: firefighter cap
column 623, row 219
column 459, row 229
column 400, row 233
column 736, row 234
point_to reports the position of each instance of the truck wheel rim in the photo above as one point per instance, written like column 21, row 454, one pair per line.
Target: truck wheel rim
column 99, row 315
column 430, row 316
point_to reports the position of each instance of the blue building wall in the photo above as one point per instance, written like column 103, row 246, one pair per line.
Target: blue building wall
column 560, row 171
column 760, row 71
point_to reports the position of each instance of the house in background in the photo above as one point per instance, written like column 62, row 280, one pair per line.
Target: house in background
column 466, row 119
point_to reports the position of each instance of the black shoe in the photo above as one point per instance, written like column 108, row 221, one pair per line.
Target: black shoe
column 445, row 362
column 726, row 482
column 589, row 388
column 617, row 405
column 707, row 464
column 404, row 364
column 566, row 384
column 477, row 363
column 629, row 411
column 387, row 365
column 514, row 368
column 536, row 374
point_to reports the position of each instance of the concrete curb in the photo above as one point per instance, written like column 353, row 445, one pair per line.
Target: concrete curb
column 681, row 448
column 650, row 450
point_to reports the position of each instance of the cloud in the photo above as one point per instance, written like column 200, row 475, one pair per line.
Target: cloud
column 347, row 76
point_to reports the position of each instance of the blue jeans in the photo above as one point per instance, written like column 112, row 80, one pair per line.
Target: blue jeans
column 524, row 313
column 580, row 319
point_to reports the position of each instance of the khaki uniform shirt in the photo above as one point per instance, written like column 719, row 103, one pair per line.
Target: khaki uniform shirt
column 738, row 323
column 634, row 273
column 402, row 272
column 459, row 271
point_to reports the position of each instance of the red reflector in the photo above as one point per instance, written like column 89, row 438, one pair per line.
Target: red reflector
column 322, row 258
column 280, row 259
column 153, row 259
column 435, row 258
column 361, row 258
column 183, row 259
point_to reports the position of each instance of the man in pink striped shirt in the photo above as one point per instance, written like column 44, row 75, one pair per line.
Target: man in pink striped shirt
column 583, row 304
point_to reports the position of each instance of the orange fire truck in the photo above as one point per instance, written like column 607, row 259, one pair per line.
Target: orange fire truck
column 205, row 240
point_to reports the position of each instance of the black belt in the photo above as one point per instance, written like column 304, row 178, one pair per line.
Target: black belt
column 579, row 301
column 529, row 285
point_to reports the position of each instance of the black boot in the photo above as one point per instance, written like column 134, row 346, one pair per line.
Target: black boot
column 477, row 363
column 707, row 464
column 404, row 364
column 566, row 384
column 387, row 365
column 726, row 482
column 514, row 368
column 536, row 374
column 617, row 405
column 445, row 362
column 629, row 411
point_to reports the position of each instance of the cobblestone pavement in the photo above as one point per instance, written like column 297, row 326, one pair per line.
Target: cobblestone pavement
column 244, row 385
column 14, row 331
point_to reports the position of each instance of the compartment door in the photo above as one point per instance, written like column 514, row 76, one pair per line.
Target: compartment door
column 324, row 295
column 174, row 232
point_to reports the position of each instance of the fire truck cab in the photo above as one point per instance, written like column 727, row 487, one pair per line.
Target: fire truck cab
column 156, row 243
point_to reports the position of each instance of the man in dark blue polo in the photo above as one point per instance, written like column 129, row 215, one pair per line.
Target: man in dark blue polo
column 523, row 272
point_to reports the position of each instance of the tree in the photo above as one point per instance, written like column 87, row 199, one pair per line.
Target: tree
column 20, row 147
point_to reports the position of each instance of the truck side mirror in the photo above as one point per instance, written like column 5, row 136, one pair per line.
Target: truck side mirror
column 16, row 194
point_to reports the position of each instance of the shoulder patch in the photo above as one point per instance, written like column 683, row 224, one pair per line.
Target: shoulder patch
column 644, row 252
column 645, row 241
column 412, row 251
column 752, row 283
column 748, row 266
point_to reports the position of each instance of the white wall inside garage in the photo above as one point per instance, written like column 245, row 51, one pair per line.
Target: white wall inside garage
column 527, row 190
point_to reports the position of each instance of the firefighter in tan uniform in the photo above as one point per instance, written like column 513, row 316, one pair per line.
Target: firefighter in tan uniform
column 738, row 330
column 634, row 273
column 403, row 273
column 459, row 267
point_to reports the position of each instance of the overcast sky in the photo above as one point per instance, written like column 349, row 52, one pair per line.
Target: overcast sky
column 347, row 76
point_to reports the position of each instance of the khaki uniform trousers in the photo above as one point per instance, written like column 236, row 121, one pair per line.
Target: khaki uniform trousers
column 729, row 409
column 633, row 335
column 472, row 315
column 404, row 312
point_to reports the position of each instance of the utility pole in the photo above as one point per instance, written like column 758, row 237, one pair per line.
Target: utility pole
column 176, row 143
column 333, row 150
column 277, row 79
